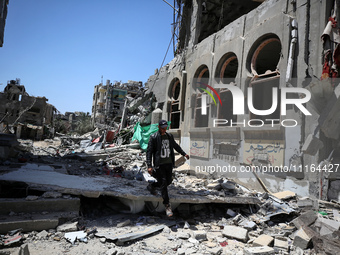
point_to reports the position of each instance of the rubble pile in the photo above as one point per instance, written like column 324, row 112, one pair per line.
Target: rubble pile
column 272, row 227
column 279, row 223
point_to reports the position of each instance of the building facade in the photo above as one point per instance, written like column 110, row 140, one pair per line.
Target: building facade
column 267, row 53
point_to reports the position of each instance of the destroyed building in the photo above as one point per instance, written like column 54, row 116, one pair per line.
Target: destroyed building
column 109, row 100
column 27, row 116
column 266, row 46
column 3, row 16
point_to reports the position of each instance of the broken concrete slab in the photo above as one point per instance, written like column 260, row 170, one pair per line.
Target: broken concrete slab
column 94, row 186
column 35, row 222
column 122, row 238
column 237, row 233
column 21, row 205
column 263, row 240
column 305, row 219
column 284, row 194
column 281, row 243
column 73, row 236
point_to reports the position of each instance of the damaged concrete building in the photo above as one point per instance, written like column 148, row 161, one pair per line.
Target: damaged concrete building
column 109, row 100
column 261, row 48
column 27, row 116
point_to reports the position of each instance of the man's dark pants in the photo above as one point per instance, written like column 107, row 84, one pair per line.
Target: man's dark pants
column 163, row 176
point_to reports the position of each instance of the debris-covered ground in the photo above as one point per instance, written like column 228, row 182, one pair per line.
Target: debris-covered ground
column 279, row 224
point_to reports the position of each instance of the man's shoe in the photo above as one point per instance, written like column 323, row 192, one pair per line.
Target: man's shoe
column 168, row 210
column 151, row 189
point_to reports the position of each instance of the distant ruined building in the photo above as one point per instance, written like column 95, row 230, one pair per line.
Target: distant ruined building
column 261, row 48
column 109, row 100
column 27, row 116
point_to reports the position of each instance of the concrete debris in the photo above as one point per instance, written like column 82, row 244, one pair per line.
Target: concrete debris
column 237, row 233
column 73, row 236
column 302, row 239
column 212, row 216
column 263, row 240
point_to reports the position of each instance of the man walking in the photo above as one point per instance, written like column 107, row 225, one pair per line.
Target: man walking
column 161, row 149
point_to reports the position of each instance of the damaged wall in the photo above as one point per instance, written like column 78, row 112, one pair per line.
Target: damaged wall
column 274, row 45
column 27, row 115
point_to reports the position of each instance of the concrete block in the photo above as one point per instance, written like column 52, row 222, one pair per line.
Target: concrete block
column 312, row 145
column 237, row 233
column 183, row 235
column 262, row 250
column 281, row 242
column 263, row 240
column 305, row 219
column 302, row 239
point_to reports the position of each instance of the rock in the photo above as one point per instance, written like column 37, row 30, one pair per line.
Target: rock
column 166, row 230
column 111, row 251
column 68, row 227
column 302, row 239
column 102, row 240
column 42, row 235
column 237, row 233
column 262, row 250
column 124, row 223
column 263, row 240
column 183, row 235
column 200, row 235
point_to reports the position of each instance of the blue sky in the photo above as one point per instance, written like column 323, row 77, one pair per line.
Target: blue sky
column 60, row 49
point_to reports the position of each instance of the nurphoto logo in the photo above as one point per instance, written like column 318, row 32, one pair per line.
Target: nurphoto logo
column 238, row 104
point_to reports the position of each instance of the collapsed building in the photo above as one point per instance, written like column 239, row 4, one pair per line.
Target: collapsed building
column 109, row 100
column 26, row 116
column 261, row 49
